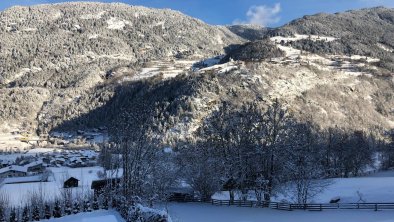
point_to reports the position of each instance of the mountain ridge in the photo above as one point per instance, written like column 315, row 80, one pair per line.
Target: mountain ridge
column 98, row 74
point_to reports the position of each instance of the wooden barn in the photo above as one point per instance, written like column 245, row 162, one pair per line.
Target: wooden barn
column 180, row 194
column 71, row 182
column 99, row 185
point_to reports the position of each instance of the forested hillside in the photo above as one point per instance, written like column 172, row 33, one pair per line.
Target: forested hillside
column 88, row 65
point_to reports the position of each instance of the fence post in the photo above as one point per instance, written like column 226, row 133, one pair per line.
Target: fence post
column 376, row 207
column 212, row 201
column 321, row 208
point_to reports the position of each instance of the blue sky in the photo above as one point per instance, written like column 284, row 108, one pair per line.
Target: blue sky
column 264, row 12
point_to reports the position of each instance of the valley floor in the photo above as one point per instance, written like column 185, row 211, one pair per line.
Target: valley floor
column 195, row 212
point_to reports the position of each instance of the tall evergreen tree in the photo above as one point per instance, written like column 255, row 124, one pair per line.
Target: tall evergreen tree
column 13, row 215
column 36, row 213
column 47, row 211
column 25, row 214
column 2, row 214
column 57, row 211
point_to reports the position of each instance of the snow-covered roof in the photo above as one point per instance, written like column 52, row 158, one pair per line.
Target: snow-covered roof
column 73, row 155
column 71, row 178
column 88, row 153
column 60, row 134
column 6, row 161
column 13, row 168
column 168, row 150
column 30, row 179
column 75, row 159
column 35, row 163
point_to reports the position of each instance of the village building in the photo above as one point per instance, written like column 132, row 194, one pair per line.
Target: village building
column 99, row 185
column 46, row 160
column 13, row 171
column 35, row 167
column 25, row 179
column 5, row 163
column 180, row 194
column 71, row 182
column 58, row 161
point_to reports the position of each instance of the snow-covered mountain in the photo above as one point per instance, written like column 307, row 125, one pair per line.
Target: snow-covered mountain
column 75, row 65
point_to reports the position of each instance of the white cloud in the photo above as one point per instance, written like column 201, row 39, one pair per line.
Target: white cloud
column 262, row 15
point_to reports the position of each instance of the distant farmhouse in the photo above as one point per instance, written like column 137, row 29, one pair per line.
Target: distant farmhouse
column 35, row 167
column 21, row 171
column 13, row 171
column 71, row 182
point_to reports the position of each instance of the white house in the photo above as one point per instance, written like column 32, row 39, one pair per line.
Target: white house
column 13, row 171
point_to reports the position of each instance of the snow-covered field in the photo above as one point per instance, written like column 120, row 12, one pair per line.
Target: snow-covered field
column 370, row 189
column 377, row 187
column 19, row 193
column 116, row 23
column 349, row 65
column 169, row 69
column 195, row 212
column 222, row 68
column 7, row 141
column 97, row 216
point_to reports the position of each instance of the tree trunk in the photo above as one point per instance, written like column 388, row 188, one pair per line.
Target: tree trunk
column 232, row 196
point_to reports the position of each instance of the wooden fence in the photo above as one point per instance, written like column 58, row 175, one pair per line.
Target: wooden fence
column 310, row 207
